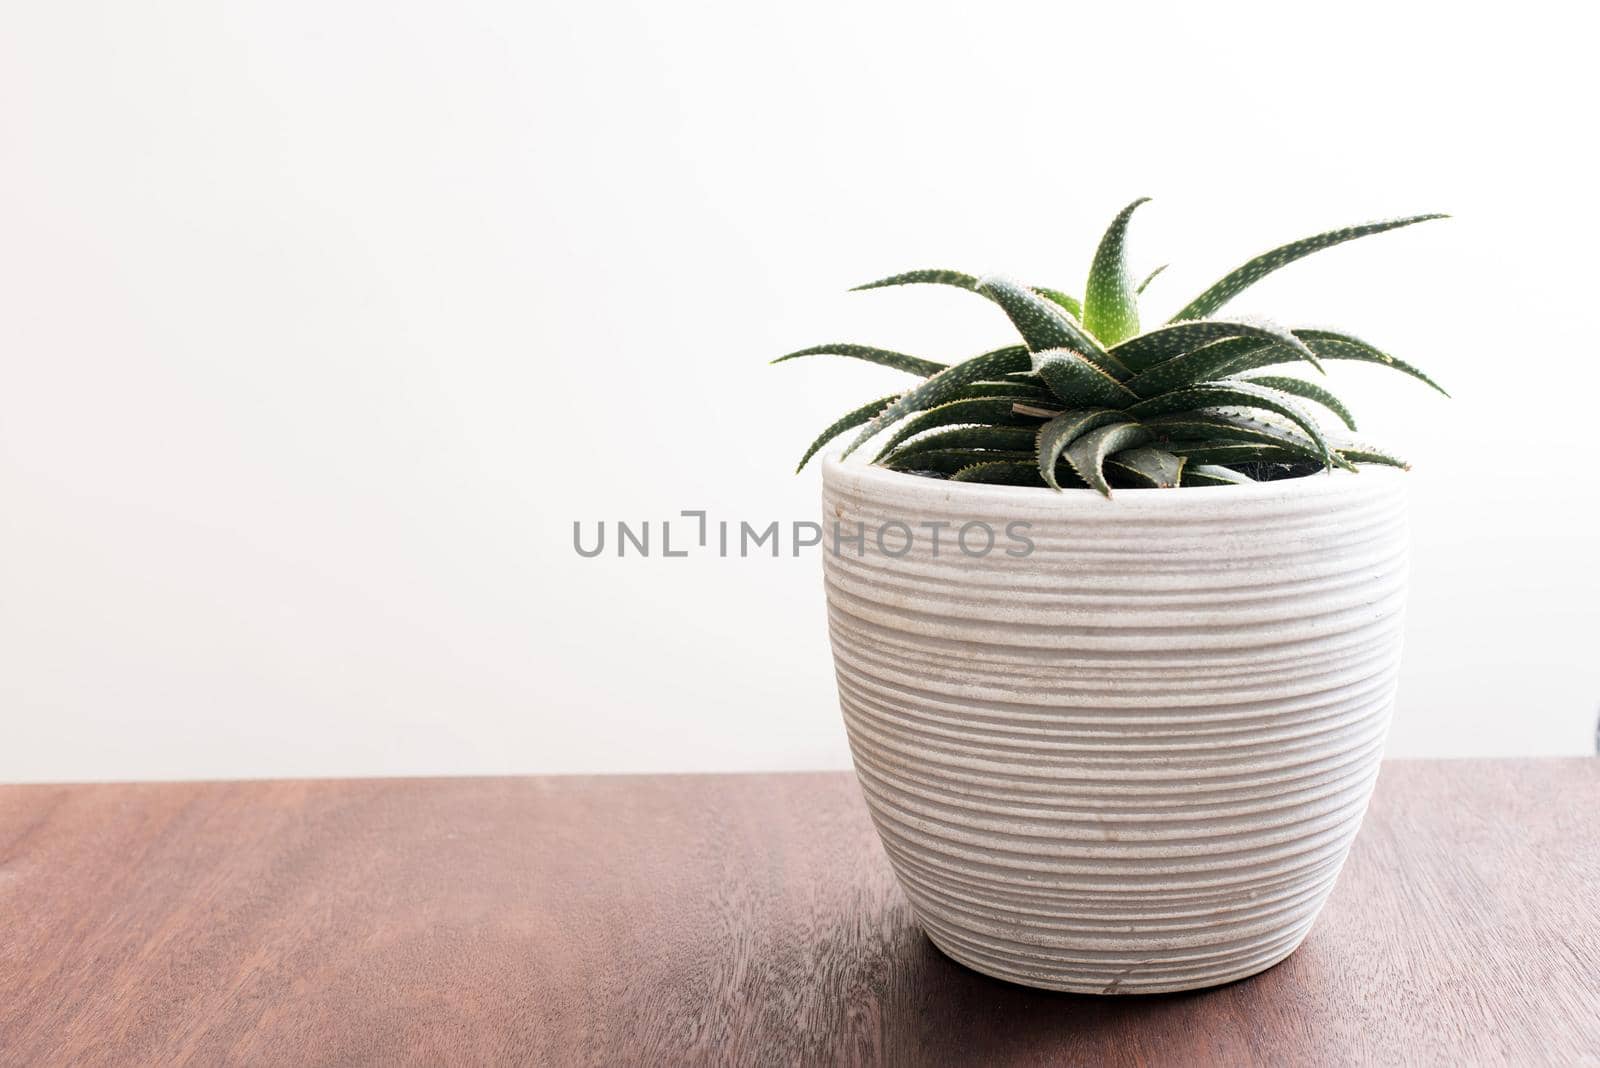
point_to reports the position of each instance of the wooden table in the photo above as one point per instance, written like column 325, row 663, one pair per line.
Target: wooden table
column 742, row 919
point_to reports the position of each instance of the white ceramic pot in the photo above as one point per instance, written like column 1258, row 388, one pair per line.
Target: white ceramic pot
column 1133, row 759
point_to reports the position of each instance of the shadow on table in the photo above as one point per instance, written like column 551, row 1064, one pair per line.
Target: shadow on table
column 936, row 1010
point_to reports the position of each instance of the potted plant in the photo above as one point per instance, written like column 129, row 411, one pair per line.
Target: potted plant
column 1116, row 624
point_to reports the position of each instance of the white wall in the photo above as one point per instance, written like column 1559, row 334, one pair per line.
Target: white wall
column 321, row 323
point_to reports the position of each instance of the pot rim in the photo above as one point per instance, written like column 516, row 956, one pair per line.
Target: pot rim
column 882, row 482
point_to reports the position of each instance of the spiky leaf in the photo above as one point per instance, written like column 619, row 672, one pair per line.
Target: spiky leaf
column 1213, row 475
column 884, row 357
column 1110, row 304
column 1166, row 342
column 1151, row 277
column 1334, row 345
column 1180, row 430
column 1062, row 431
column 1236, row 281
column 1004, row 438
column 846, row 422
column 1307, row 391
column 999, row 473
column 1245, row 394
column 1088, row 454
column 1327, row 344
column 1359, row 453
column 1208, row 362
column 1070, row 304
column 949, row 461
column 1208, row 453
column 1011, row 387
column 1042, row 324
column 1076, row 381
column 944, row 386
column 1148, row 467
column 962, row 280
column 932, row 276
column 989, row 411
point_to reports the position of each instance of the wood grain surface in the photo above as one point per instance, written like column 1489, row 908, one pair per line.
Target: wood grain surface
column 745, row 919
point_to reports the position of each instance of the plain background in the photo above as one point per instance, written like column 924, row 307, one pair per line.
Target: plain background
column 321, row 324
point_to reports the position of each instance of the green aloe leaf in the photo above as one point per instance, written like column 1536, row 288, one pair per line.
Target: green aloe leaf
column 1110, row 304
column 999, row 473
column 1176, row 339
column 933, row 276
column 1333, row 345
column 949, row 461
column 1088, row 454
column 1307, row 391
column 1358, row 453
column 884, row 357
column 988, row 411
column 1245, row 394
column 1213, row 475
column 961, row 280
column 1060, row 432
column 944, row 386
column 1151, row 277
column 1182, row 431
column 846, row 422
column 1076, row 381
column 1044, row 325
column 1147, row 467
column 1218, row 453
column 1071, row 304
column 1201, row 365
column 1247, row 275
column 1004, row 438
column 1011, row 387
column 1327, row 344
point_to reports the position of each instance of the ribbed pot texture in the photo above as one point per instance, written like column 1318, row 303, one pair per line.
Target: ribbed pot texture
column 1132, row 759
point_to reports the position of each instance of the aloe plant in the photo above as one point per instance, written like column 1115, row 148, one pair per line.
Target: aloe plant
column 1089, row 400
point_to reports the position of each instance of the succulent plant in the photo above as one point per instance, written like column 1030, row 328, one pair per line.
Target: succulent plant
column 1088, row 400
